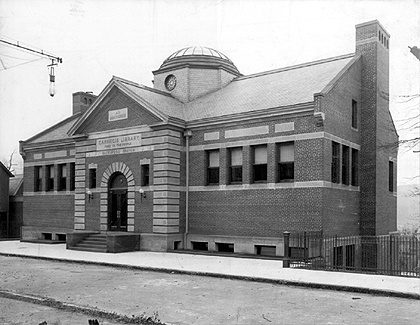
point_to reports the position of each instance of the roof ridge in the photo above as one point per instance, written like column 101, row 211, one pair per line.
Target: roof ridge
column 135, row 84
column 293, row 67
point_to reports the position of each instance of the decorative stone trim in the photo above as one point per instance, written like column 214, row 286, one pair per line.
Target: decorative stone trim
column 125, row 170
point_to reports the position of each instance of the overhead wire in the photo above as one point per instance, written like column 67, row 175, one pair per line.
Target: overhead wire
column 17, row 65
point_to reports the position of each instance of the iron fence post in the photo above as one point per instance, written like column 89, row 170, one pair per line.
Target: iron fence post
column 286, row 253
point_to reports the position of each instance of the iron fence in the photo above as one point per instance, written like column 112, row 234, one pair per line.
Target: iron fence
column 390, row 255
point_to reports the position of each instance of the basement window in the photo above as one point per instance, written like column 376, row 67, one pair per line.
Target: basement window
column 61, row 237
column 265, row 250
column 47, row 236
column 200, row 246
column 224, row 247
column 177, row 245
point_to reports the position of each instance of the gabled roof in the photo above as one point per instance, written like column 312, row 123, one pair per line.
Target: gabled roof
column 275, row 89
column 271, row 89
column 164, row 102
column 6, row 170
column 55, row 132
column 131, row 89
column 14, row 184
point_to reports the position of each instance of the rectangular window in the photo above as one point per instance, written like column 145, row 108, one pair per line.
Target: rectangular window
column 335, row 163
column 200, row 246
column 92, row 178
column 62, row 170
column 391, row 176
column 345, row 165
column 354, row 114
column 235, row 165
column 265, row 250
column 50, row 178
column 224, row 247
column 354, row 167
column 286, row 168
column 72, row 176
column 145, row 175
column 213, row 167
column 38, row 179
column 260, row 164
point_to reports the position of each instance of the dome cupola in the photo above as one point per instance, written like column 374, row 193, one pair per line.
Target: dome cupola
column 193, row 72
column 199, row 56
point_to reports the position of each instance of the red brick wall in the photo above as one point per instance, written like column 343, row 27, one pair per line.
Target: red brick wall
column 49, row 210
column 265, row 212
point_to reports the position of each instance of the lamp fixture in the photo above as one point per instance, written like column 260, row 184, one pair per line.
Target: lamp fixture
column 90, row 195
column 52, row 90
column 142, row 193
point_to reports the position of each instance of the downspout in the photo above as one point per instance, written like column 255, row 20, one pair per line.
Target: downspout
column 187, row 135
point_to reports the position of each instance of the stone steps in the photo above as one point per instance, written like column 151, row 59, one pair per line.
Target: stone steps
column 92, row 243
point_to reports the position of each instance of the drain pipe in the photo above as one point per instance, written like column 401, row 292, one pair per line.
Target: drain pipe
column 187, row 135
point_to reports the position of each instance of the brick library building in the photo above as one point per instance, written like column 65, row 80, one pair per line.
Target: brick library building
column 210, row 159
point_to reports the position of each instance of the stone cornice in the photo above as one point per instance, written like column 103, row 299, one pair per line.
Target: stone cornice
column 261, row 115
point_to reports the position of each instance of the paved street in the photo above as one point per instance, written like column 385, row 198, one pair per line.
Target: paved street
column 192, row 299
column 25, row 313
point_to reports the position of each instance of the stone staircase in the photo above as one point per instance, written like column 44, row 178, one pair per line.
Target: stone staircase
column 92, row 243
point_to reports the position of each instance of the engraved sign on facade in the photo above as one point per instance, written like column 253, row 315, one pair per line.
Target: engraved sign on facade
column 124, row 141
column 118, row 114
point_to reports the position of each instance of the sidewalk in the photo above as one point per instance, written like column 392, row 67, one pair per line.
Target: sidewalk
column 258, row 269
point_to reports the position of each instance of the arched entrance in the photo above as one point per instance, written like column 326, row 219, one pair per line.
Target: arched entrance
column 117, row 202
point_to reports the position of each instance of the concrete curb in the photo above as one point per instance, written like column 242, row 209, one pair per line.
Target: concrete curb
column 388, row 293
column 88, row 311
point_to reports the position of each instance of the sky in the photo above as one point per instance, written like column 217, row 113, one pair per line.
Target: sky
column 129, row 39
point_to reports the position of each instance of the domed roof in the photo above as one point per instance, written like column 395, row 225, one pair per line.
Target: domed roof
column 199, row 55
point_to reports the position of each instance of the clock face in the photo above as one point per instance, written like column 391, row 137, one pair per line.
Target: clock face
column 170, row 82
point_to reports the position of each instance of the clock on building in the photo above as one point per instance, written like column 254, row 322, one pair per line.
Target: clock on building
column 170, row 82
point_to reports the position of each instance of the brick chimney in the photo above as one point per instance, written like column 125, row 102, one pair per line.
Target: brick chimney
column 82, row 101
column 378, row 134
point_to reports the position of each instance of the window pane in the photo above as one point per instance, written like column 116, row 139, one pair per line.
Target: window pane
column 260, row 155
column 63, row 171
column 287, row 152
column 260, row 172
column 236, row 157
column 345, row 166
column 214, row 158
column 51, row 171
column 335, row 163
column 391, row 176
column 354, row 167
column 287, row 171
column 92, row 178
column 145, row 175
column 236, row 174
column 213, row 175
column 354, row 114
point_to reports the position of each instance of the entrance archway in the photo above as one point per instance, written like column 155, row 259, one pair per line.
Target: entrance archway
column 117, row 202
